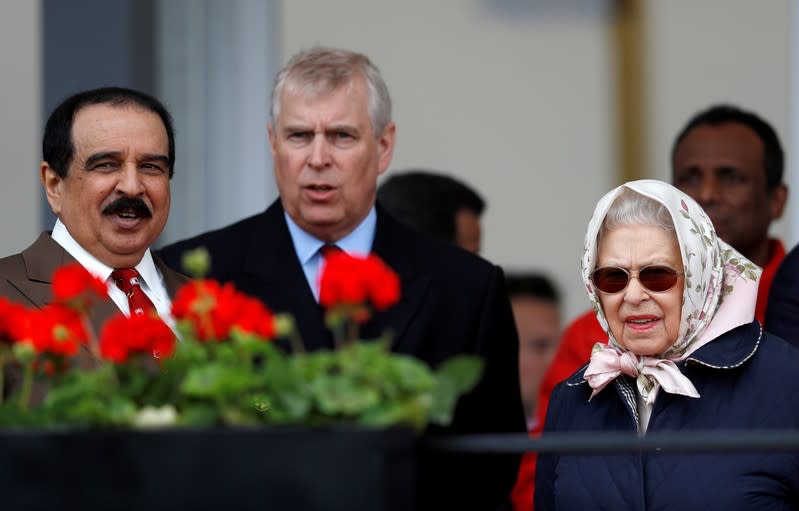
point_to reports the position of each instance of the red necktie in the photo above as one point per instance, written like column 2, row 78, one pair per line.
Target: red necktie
column 127, row 279
column 325, row 251
column 329, row 248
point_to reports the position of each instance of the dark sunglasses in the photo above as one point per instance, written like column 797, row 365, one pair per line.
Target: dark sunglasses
column 612, row 279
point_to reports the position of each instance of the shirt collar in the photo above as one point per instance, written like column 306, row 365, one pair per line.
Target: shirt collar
column 146, row 267
column 357, row 242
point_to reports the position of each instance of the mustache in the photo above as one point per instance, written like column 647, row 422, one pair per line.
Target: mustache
column 128, row 204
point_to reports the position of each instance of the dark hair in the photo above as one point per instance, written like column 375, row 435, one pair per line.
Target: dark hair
column 536, row 285
column 428, row 201
column 773, row 157
column 58, row 148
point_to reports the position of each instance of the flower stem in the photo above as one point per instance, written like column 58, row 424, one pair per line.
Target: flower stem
column 27, row 387
column 335, row 318
column 94, row 344
column 2, row 376
column 352, row 330
column 295, row 341
column 338, row 336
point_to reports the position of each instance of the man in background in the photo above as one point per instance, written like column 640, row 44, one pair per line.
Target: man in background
column 436, row 204
column 731, row 162
column 536, row 311
column 331, row 136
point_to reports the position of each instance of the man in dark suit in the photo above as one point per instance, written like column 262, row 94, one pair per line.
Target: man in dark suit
column 331, row 135
column 108, row 157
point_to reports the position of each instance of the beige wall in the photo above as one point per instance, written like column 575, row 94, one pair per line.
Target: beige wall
column 19, row 123
column 517, row 104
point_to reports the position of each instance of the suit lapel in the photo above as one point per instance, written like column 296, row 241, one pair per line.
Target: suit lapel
column 41, row 259
column 273, row 273
column 172, row 279
column 392, row 242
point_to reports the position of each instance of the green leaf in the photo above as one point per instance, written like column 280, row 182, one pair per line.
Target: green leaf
column 442, row 407
column 196, row 263
column 340, row 395
column 409, row 374
column 413, row 411
column 200, row 414
column 455, row 377
column 214, row 381
column 463, row 371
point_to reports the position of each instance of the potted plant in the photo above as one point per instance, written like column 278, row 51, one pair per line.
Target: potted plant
column 218, row 411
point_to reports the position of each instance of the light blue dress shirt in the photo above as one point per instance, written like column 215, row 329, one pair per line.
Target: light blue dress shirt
column 358, row 243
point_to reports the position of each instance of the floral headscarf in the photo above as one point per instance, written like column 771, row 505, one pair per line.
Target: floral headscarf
column 720, row 294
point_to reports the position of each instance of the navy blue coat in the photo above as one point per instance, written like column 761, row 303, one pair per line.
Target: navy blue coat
column 746, row 380
column 782, row 312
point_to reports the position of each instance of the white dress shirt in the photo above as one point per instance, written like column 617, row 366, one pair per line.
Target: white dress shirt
column 151, row 280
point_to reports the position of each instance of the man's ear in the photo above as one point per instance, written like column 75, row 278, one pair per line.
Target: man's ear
column 778, row 197
column 51, row 182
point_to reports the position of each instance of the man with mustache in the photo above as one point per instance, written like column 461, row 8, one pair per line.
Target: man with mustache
column 331, row 136
column 108, row 157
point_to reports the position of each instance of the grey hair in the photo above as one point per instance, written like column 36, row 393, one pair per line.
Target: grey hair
column 321, row 70
column 632, row 208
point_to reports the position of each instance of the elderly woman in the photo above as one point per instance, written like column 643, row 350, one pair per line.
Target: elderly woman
column 684, row 354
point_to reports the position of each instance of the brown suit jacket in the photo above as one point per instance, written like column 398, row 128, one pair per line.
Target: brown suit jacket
column 26, row 278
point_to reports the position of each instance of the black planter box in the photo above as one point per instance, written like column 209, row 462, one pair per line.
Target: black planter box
column 266, row 469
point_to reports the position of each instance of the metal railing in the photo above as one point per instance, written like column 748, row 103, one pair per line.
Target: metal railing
column 620, row 442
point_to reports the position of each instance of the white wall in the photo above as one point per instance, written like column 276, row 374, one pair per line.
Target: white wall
column 19, row 123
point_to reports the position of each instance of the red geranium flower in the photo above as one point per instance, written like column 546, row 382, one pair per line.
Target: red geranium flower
column 348, row 280
column 12, row 321
column 213, row 309
column 383, row 282
column 146, row 334
column 54, row 329
column 75, row 286
column 255, row 318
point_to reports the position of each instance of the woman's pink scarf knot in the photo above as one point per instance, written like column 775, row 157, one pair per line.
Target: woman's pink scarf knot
column 608, row 363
